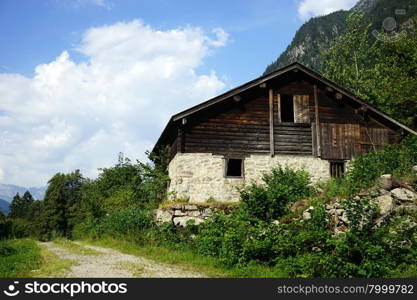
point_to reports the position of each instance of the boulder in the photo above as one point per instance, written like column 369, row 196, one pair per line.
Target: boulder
column 182, row 221
column 307, row 215
column 385, row 204
column 190, row 207
column 385, row 182
column 163, row 216
column 179, row 213
column 414, row 168
column 344, row 218
column 403, row 194
column 340, row 211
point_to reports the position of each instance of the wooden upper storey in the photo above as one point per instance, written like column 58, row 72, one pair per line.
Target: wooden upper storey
column 292, row 111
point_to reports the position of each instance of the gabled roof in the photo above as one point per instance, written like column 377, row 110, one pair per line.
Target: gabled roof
column 264, row 79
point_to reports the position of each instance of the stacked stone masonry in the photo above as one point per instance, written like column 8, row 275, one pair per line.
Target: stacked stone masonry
column 200, row 176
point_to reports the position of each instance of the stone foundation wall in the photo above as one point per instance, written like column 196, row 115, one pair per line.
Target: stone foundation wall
column 200, row 176
column 180, row 214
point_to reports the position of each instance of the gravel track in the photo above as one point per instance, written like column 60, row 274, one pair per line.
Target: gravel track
column 111, row 263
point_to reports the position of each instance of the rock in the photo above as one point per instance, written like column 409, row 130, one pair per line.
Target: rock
column 182, row 221
column 163, row 216
column 179, row 213
column 176, row 206
column 344, row 219
column 207, row 212
column 297, row 205
column 194, row 213
column 385, row 204
column 275, row 222
column 329, row 207
column 306, row 215
column 403, row 194
column 190, row 207
column 337, row 205
column 407, row 207
column 340, row 211
column 414, row 168
column 385, row 182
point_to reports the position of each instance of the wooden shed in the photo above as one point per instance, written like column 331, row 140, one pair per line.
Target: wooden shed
column 293, row 116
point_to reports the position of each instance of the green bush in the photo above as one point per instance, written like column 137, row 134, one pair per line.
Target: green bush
column 89, row 228
column 394, row 159
column 282, row 187
column 127, row 221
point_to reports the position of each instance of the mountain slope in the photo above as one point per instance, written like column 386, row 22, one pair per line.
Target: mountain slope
column 7, row 191
column 4, row 206
column 311, row 41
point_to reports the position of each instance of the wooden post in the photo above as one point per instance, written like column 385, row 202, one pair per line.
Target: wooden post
column 318, row 127
column 180, row 141
column 271, row 122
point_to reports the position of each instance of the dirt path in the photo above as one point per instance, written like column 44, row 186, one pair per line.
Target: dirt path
column 107, row 262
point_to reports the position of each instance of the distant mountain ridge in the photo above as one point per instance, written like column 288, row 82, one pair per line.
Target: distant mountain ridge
column 4, row 206
column 314, row 37
column 8, row 191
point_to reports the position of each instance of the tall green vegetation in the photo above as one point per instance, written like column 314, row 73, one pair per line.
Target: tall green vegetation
column 20, row 206
column 383, row 73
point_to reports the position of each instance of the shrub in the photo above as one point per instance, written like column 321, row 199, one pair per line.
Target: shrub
column 394, row 159
column 128, row 221
column 283, row 186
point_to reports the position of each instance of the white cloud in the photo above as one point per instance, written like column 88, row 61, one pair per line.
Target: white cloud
column 312, row 8
column 80, row 115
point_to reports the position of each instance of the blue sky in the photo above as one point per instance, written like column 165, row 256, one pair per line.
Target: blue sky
column 34, row 32
column 82, row 80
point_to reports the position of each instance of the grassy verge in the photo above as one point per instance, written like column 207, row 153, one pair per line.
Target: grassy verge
column 187, row 260
column 74, row 248
column 52, row 266
column 19, row 257
column 26, row 258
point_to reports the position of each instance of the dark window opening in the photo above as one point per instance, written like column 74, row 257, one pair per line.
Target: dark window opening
column 337, row 168
column 234, row 167
column 287, row 108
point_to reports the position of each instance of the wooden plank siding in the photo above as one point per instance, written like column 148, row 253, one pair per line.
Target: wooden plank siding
column 340, row 141
column 373, row 139
column 293, row 139
column 242, row 129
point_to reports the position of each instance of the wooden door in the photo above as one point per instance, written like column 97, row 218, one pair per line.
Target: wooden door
column 301, row 109
column 339, row 141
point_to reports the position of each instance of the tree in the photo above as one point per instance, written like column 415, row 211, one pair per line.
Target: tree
column 350, row 57
column 19, row 208
column 380, row 72
column 61, row 200
column 395, row 79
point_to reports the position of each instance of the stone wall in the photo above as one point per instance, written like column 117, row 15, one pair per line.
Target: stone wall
column 180, row 214
column 200, row 176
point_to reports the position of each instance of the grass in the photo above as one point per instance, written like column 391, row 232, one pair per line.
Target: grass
column 188, row 260
column 52, row 266
column 19, row 257
column 134, row 268
column 75, row 248
column 26, row 258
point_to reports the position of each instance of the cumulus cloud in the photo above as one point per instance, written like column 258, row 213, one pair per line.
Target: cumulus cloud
column 81, row 114
column 312, row 8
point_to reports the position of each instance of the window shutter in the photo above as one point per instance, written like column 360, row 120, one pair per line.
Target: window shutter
column 301, row 109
